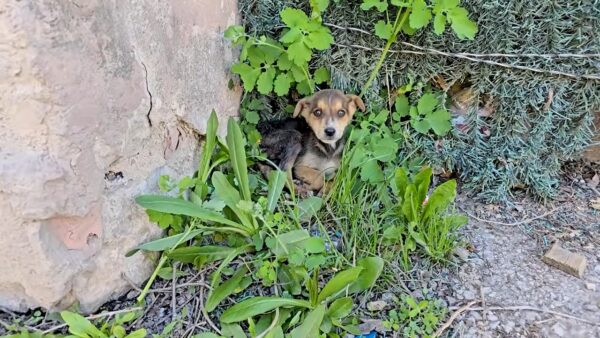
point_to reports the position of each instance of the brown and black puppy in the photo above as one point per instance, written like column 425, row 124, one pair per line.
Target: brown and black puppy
column 311, row 143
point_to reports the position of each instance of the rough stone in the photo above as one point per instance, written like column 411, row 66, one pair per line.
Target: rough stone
column 97, row 100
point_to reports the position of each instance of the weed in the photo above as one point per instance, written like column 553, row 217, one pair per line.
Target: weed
column 414, row 319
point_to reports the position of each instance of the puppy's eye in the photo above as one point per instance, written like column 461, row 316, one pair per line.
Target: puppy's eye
column 341, row 113
column 317, row 112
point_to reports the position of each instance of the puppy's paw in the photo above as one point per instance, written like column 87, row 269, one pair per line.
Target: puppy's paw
column 302, row 189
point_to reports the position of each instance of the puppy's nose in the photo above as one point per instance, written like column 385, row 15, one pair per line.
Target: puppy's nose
column 329, row 131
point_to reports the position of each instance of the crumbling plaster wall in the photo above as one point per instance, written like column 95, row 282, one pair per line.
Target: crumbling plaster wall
column 97, row 99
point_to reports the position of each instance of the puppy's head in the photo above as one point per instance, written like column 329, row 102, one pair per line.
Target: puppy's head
column 328, row 113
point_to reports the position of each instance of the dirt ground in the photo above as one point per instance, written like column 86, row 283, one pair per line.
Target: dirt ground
column 505, row 269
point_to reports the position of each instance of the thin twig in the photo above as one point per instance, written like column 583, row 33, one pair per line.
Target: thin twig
column 503, row 55
column 174, row 293
column 453, row 318
column 205, row 314
column 425, row 51
column 531, row 308
column 483, row 305
column 529, row 220
column 100, row 315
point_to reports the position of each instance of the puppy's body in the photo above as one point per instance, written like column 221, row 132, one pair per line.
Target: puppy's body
column 311, row 145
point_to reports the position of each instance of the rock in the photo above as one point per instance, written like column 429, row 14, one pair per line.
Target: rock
column 590, row 286
column 508, row 326
column 97, row 100
column 461, row 253
column 571, row 263
column 558, row 329
column 388, row 297
column 376, row 306
column 369, row 325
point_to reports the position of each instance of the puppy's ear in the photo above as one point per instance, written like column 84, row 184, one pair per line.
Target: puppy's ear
column 356, row 102
column 300, row 106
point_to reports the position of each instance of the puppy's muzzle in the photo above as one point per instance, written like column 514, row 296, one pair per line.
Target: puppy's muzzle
column 330, row 131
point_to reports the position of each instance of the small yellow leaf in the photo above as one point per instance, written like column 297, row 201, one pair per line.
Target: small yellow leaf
column 595, row 203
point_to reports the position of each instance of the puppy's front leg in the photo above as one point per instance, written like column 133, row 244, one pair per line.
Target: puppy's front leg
column 312, row 178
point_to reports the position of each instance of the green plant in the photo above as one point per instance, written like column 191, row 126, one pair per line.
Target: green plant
column 414, row 319
column 271, row 65
column 412, row 15
column 423, row 220
column 81, row 327
column 429, row 114
column 325, row 309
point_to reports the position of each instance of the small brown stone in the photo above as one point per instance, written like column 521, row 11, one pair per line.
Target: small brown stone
column 564, row 260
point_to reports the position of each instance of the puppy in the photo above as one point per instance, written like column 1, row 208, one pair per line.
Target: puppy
column 310, row 144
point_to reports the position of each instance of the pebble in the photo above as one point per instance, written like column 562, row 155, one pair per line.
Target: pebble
column 376, row 306
column 492, row 317
column 558, row 329
column 590, row 286
column 508, row 326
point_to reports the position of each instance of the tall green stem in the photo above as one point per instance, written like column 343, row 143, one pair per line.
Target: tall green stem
column 398, row 23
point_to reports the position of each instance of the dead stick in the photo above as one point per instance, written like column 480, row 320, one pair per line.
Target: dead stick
column 174, row 293
column 453, row 318
column 529, row 220
column 531, row 308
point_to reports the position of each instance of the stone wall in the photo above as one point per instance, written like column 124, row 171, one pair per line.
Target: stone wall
column 97, row 99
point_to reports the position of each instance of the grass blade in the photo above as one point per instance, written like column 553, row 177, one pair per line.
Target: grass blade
column 259, row 305
column 277, row 180
column 178, row 206
column 237, row 153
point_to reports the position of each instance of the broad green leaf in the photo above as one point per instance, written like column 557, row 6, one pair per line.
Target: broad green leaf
column 371, row 172
column 252, row 116
column 284, row 62
column 228, row 194
column 439, row 24
column 206, row 335
column 298, row 73
column 340, row 281
column 293, row 17
column 284, row 243
column 224, row 290
column 264, row 85
column 209, row 253
column 304, row 88
column 380, row 5
column 420, row 15
column 248, row 75
column 299, row 53
column 237, row 154
column 234, row 33
column 340, row 308
column 383, row 29
column 420, row 125
column 314, row 261
column 309, row 207
column 402, row 105
column 282, row 84
column 321, row 75
column 118, row 331
column 401, row 181
column 461, row 24
column 165, row 243
column 178, row 206
column 401, row 3
column 440, row 199
column 440, row 122
column 141, row 333
column 259, row 305
column 310, row 326
column 80, row 326
column 290, row 279
column 277, row 179
column 371, row 270
column 291, row 35
column 208, row 147
column 313, row 245
column 216, row 276
column 427, row 103
column 449, row 4
column 422, row 181
column 232, row 331
column 384, row 149
column 359, row 156
column 320, row 39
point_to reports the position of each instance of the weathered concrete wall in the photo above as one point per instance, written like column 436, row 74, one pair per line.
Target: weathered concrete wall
column 97, row 99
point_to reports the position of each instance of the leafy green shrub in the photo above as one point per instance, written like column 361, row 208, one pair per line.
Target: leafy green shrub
column 414, row 319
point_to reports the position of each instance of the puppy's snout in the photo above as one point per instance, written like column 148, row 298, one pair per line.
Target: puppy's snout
column 329, row 131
